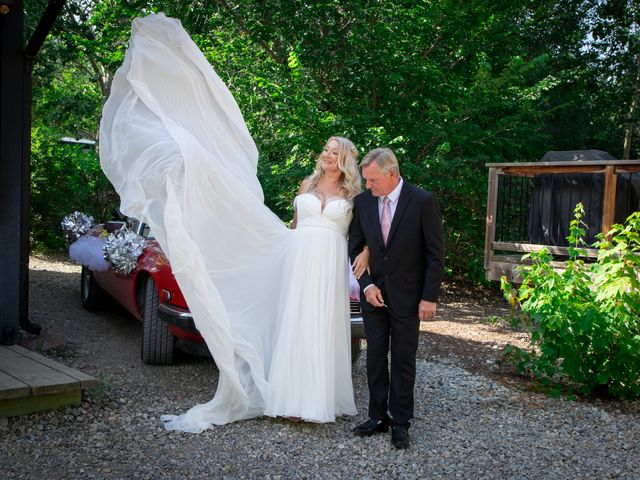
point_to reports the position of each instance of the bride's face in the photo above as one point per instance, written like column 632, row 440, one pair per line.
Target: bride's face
column 329, row 156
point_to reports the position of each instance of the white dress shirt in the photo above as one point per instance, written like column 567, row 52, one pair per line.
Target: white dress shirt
column 393, row 204
column 393, row 200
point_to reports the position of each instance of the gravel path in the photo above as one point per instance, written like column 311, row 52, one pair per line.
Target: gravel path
column 468, row 425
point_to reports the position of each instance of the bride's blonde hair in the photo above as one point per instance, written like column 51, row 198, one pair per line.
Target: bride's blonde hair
column 351, row 181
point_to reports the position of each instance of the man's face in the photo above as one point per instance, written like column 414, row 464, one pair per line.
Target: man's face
column 379, row 183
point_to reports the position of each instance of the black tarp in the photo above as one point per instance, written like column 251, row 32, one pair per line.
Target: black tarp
column 556, row 195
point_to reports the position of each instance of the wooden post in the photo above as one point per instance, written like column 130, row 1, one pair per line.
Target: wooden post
column 11, row 162
column 490, row 225
column 609, row 206
column 15, row 148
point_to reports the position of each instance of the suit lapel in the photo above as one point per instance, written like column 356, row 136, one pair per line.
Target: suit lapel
column 374, row 218
column 403, row 203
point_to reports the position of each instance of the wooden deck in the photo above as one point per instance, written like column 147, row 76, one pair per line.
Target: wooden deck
column 30, row 382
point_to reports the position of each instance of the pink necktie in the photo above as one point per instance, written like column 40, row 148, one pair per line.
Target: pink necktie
column 385, row 219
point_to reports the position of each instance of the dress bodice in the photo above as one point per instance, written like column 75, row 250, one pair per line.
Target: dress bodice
column 335, row 214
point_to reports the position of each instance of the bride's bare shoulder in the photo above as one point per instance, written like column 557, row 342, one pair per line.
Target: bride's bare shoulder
column 304, row 186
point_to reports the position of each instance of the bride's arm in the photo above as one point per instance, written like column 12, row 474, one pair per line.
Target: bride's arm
column 361, row 262
column 304, row 188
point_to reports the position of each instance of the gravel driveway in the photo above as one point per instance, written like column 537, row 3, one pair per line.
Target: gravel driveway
column 471, row 421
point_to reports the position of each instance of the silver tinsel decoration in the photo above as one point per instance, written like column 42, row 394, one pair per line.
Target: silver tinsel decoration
column 76, row 225
column 122, row 249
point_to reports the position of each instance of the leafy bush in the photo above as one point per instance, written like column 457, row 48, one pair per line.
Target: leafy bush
column 64, row 178
column 584, row 321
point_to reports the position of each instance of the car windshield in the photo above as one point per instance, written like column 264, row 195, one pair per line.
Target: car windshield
column 146, row 232
column 141, row 229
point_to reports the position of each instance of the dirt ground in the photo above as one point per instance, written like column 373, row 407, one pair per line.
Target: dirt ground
column 463, row 333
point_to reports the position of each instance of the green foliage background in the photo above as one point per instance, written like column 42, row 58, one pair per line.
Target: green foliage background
column 449, row 85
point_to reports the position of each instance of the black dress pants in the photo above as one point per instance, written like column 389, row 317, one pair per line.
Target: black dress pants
column 392, row 392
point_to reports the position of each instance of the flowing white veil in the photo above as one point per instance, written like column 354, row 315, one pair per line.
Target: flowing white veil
column 175, row 146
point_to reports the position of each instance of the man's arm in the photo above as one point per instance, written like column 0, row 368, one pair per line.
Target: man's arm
column 357, row 242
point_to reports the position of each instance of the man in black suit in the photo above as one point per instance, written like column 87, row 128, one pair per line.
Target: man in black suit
column 401, row 224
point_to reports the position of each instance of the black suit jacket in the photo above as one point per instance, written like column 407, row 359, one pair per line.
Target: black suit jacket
column 410, row 267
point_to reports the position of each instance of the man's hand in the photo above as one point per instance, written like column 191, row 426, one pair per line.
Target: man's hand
column 426, row 310
column 374, row 296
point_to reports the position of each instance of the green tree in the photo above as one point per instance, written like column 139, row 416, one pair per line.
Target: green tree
column 615, row 47
column 448, row 85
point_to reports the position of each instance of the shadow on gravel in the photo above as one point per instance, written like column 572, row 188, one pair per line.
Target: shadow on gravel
column 440, row 345
column 460, row 331
column 54, row 304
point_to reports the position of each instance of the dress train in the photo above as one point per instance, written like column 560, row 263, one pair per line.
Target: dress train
column 175, row 146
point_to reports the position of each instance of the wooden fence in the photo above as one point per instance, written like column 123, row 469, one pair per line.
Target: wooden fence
column 530, row 205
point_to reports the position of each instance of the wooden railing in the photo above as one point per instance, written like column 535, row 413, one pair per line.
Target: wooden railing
column 502, row 256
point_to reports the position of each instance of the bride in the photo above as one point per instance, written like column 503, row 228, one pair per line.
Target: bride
column 308, row 378
column 270, row 302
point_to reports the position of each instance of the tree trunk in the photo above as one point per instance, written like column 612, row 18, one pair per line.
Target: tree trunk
column 628, row 136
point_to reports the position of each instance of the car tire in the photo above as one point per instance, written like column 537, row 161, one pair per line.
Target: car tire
column 356, row 348
column 157, row 339
column 92, row 295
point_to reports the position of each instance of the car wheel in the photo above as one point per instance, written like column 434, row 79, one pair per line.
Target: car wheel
column 157, row 339
column 356, row 348
column 91, row 294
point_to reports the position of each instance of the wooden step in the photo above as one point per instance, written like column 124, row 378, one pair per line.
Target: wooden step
column 30, row 382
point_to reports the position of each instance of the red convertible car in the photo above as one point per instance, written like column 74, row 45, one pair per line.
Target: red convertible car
column 151, row 294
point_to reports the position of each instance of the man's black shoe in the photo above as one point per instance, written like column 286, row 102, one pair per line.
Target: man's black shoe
column 400, row 436
column 372, row 426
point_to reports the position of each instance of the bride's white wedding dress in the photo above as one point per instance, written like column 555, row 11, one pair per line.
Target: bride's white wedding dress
column 270, row 302
column 308, row 377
